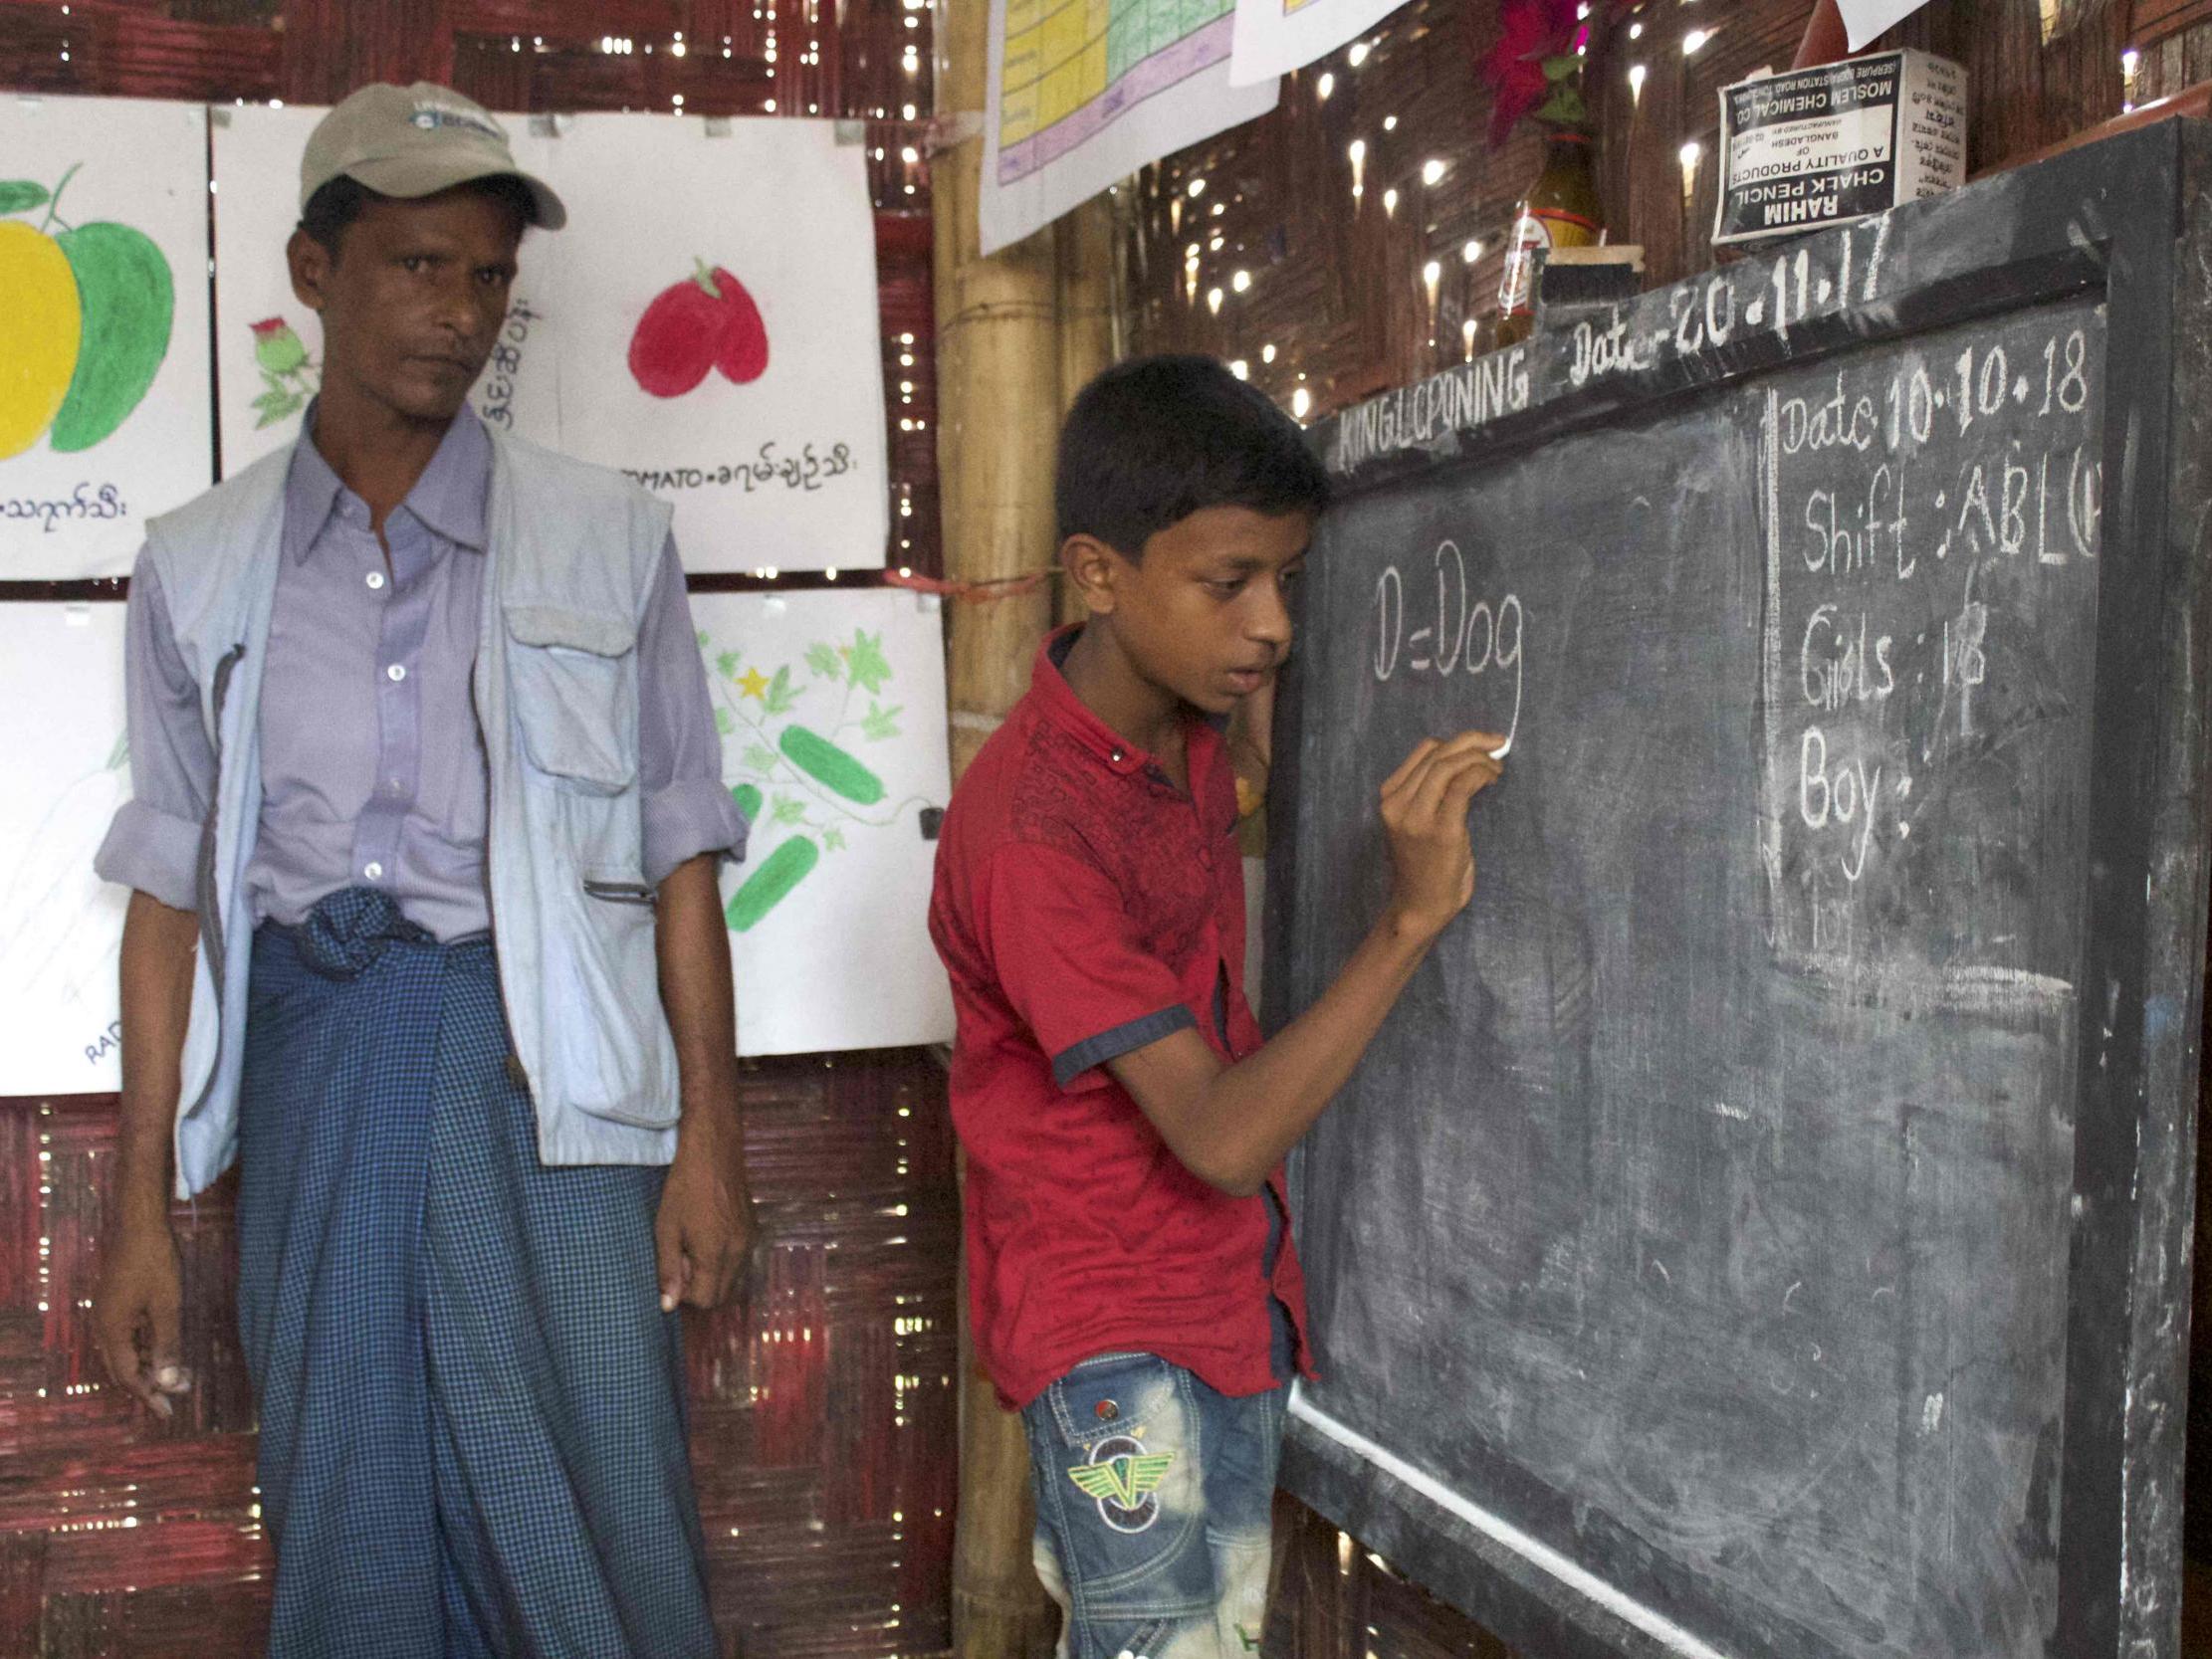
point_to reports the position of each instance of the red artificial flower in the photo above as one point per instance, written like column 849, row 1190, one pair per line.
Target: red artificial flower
column 1529, row 32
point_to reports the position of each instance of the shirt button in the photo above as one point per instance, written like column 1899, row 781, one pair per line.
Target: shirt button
column 396, row 673
column 376, row 579
column 1117, row 757
column 373, row 871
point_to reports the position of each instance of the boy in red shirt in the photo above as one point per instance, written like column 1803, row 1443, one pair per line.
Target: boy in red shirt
column 1134, row 1288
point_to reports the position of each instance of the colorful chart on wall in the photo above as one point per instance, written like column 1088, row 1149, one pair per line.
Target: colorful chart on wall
column 707, row 322
column 1275, row 37
column 1083, row 93
column 269, row 347
column 103, row 350
column 61, row 925
column 831, row 708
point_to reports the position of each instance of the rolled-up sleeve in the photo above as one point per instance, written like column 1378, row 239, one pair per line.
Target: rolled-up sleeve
column 679, row 749
column 153, row 844
column 1073, row 962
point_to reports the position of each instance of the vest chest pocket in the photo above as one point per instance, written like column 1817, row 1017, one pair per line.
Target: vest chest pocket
column 572, row 678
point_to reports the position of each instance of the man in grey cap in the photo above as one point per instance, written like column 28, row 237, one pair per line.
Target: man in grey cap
column 425, row 936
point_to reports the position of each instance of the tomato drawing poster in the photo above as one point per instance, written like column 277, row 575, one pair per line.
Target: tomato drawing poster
column 706, row 322
column 103, row 349
column 716, row 334
column 60, row 926
column 831, row 709
column 269, row 347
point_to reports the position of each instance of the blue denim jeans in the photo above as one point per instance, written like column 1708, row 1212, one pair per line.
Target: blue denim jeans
column 1154, row 1502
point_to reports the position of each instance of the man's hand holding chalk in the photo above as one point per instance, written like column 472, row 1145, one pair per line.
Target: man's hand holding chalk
column 1424, row 817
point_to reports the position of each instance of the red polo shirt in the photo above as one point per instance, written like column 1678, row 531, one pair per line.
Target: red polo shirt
column 1085, row 906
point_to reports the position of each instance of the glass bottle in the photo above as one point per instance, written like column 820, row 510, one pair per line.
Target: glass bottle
column 1559, row 210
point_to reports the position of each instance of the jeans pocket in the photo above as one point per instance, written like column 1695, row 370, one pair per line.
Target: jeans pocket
column 1117, row 1452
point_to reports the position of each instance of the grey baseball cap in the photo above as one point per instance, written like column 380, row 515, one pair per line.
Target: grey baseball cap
column 416, row 140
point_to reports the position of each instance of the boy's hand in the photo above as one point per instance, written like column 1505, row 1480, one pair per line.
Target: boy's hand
column 134, row 1314
column 1424, row 814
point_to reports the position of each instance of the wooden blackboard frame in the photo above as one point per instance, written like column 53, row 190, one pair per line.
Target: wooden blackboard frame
column 2128, row 218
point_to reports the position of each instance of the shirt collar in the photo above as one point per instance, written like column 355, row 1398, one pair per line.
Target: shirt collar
column 1071, row 714
column 448, row 499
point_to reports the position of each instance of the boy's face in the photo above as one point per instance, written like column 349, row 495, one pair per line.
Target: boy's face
column 415, row 300
column 1204, row 614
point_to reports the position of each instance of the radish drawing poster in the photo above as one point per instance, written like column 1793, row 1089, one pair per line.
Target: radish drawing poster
column 103, row 349
column 831, row 709
column 716, row 332
column 269, row 347
column 60, row 926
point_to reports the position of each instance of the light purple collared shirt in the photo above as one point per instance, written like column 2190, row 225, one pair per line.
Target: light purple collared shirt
column 372, row 765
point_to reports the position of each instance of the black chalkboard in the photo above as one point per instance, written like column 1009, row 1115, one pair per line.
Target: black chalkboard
column 1762, row 1227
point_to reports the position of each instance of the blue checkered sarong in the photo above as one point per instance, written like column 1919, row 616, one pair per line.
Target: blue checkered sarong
column 472, row 1414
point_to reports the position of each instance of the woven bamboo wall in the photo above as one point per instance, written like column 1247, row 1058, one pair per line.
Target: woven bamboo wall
column 1337, row 299
column 823, row 1417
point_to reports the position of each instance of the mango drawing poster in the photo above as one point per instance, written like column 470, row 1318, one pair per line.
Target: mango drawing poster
column 269, row 347
column 717, row 333
column 831, row 709
column 103, row 349
column 60, row 926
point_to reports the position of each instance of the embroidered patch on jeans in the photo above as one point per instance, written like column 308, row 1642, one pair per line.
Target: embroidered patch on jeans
column 1124, row 1477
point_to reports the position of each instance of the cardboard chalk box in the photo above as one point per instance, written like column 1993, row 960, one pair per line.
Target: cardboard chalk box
column 1827, row 145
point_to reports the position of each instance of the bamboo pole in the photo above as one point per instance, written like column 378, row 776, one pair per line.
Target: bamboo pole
column 1086, row 293
column 998, row 372
column 1085, row 241
column 997, row 407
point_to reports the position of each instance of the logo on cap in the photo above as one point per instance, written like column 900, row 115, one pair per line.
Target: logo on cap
column 430, row 117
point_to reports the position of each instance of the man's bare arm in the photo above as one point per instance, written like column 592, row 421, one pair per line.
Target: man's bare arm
column 705, row 1228
column 136, row 1305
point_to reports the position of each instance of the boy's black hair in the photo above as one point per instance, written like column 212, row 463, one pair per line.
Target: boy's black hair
column 1156, row 439
column 342, row 201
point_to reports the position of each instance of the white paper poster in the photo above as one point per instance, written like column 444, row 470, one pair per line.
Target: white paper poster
column 1275, row 37
column 103, row 351
column 707, row 322
column 1083, row 93
column 831, row 708
column 1865, row 19
column 60, row 926
column 269, row 347
column 713, row 308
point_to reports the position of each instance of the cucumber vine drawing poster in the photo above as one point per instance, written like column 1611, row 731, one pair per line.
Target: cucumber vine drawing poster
column 61, row 925
column 706, row 322
column 103, row 349
column 831, row 709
